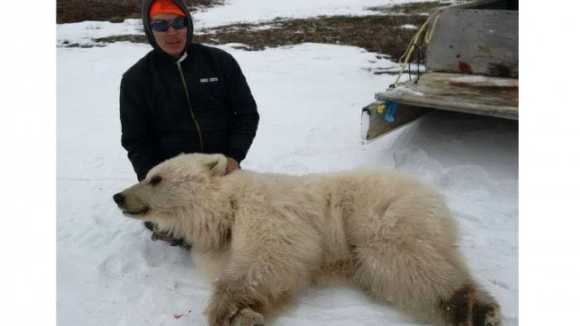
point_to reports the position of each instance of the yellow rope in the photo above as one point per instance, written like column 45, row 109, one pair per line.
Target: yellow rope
column 429, row 33
column 430, row 24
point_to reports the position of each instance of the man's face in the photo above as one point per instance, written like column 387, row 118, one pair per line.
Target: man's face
column 173, row 40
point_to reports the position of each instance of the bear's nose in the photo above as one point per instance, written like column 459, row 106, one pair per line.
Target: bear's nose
column 119, row 199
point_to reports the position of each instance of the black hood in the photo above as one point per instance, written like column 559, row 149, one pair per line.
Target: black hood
column 147, row 28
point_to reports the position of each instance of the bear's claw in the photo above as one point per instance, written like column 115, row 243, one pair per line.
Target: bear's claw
column 247, row 317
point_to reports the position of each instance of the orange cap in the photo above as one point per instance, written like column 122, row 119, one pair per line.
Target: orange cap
column 164, row 7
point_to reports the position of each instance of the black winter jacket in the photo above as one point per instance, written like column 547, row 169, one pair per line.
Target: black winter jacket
column 160, row 120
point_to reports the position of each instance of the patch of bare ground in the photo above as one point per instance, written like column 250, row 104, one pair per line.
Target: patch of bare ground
column 71, row 11
column 412, row 8
column 381, row 33
column 387, row 33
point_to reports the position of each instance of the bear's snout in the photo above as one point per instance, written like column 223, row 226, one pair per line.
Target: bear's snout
column 130, row 204
column 119, row 199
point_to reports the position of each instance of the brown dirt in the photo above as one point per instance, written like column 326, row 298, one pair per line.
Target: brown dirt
column 71, row 11
column 381, row 33
column 411, row 8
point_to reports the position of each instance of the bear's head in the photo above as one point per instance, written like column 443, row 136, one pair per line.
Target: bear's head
column 172, row 187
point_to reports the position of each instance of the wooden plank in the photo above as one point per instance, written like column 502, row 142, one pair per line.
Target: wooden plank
column 475, row 41
column 373, row 124
column 497, row 97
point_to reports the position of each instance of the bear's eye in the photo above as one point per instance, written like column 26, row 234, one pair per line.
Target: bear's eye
column 155, row 180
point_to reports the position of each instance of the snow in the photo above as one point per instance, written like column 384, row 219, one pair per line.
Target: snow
column 409, row 26
column 310, row 95
column 84, row 33
column 256, row 11
column 405, row 90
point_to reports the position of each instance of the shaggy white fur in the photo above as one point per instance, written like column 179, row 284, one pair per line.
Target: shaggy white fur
column 266, row 236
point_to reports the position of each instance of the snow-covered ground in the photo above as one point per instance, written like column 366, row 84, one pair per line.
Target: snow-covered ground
column 253, row 11
column 309, row 98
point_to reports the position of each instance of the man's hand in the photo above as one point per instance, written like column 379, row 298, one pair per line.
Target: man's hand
column 232, row 165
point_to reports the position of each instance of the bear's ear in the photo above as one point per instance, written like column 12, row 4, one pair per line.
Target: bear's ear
column 216, row 164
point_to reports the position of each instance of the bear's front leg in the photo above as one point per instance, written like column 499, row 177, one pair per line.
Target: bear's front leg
column 248, row 317
column 269, row 262
column 233, row 304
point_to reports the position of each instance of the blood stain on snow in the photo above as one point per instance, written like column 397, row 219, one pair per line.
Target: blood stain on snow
column 177, row 316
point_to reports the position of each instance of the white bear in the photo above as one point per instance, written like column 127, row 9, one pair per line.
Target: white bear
column 270, row 235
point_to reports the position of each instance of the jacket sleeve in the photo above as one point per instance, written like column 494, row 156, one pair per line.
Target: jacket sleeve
column 244, row 110
column 136, row 133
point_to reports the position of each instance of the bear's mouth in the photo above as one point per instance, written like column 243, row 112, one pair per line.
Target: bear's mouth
column 141, row 211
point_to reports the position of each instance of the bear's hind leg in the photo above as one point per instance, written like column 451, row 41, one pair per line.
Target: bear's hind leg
column 429, row 285
column 470, row 306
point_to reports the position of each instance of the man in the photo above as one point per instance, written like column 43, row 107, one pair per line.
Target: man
column 183, row 97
